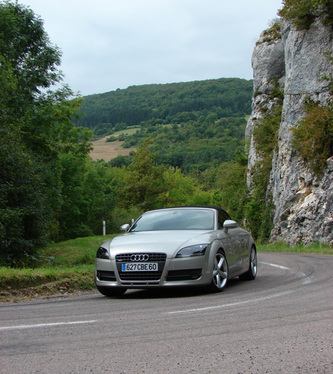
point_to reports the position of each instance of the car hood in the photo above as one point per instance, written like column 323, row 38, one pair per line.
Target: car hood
column 169, row 242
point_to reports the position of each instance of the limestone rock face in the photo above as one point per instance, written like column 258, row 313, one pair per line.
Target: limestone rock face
column 303, row 202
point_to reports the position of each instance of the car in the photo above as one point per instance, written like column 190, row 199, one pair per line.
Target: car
column 176, row 247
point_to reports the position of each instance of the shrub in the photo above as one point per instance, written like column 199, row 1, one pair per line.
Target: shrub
column 273, row 32
column 303, row 13
column 313, row 137
column 259, row 209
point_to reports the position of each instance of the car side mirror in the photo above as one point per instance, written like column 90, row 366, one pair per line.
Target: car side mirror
column 125, row 227
column 229, row 224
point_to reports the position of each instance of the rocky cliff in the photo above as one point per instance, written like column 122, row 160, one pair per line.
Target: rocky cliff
column 303, row 202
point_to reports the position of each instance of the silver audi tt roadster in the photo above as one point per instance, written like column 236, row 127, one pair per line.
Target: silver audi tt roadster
column 180, row 246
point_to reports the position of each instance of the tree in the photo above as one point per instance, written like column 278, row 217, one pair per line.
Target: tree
column 35, row 129
column 143, row 183
column 25, row 46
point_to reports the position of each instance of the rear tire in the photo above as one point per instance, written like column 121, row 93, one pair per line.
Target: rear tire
column 111, row 291
column 252, row 272
column 220, row 273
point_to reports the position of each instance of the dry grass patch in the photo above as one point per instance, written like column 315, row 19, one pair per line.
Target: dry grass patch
column 107, row 151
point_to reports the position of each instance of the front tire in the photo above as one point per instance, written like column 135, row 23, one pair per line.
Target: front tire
column 111, row 291
column 220, row 273
column 252, row 272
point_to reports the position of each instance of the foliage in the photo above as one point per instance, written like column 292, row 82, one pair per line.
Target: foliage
column 259, row 214
column 23, row 210
column 25, row 47
column 88, row 198
column 143, row 182
column 313, row 135
column 36, row 132
column 259, row 208
column 304, row 13
column 265, row 136
column 192, row 125
column 146, row 185
column 165, row 104
column 273, row 32
column 231, row 188
column 195, row 145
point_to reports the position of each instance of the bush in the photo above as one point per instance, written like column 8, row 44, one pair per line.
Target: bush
column 313, row 137
column 303, row 13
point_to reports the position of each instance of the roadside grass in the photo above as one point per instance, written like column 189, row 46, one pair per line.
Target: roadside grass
column 58, row 269
column 74, row 252
column 68, row 267
column 313, row 248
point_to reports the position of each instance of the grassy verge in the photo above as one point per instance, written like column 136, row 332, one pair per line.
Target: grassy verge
column 61, row 268
column 68, row 267
column 315, row 248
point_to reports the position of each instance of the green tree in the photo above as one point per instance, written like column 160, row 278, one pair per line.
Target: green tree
column 35, row 129
column 143, row 183
column 88, row 197
column 26, row 49
column 231, row 183
column 24, row 218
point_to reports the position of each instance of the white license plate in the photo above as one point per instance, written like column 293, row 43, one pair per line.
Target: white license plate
column 139, row 266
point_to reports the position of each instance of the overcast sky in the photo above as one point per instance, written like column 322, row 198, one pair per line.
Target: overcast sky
column 110, row 44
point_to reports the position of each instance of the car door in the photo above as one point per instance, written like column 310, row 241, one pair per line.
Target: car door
column 233, row 244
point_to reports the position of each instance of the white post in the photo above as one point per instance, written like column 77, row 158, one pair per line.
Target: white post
column 104, row 228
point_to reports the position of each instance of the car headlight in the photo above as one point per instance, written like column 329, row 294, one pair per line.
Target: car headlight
column 102, row 253
column 193, row 250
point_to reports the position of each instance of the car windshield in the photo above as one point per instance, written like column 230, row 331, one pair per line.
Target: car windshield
column 176, row 219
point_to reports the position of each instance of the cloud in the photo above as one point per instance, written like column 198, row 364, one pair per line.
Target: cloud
column 109, row 44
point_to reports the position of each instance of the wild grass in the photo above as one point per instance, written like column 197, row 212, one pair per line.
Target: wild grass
column 59, row 268
column 75, row 252
column 313, row 248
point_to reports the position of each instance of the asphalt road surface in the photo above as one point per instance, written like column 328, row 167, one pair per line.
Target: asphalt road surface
column 279, row 323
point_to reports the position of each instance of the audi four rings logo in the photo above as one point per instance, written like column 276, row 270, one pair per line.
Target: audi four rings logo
column 140, row 257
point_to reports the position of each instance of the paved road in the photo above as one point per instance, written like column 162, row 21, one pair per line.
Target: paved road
column 280, row 323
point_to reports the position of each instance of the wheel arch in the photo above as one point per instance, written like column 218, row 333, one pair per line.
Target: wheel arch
column 215, row 247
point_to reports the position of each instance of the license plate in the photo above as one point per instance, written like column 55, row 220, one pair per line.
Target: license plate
column 139, row 266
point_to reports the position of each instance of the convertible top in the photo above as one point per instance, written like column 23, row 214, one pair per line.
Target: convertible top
column 194, row 206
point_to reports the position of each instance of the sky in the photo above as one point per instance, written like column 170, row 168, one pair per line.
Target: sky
column 111, row 44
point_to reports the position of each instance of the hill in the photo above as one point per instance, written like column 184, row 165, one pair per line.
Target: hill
column 193, row 124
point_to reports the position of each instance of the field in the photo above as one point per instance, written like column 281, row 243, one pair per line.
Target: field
column 106, row 151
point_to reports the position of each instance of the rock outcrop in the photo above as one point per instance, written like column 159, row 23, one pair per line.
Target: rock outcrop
column 296, row 61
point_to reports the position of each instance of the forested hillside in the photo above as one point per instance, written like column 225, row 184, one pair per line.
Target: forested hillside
column 192, row 125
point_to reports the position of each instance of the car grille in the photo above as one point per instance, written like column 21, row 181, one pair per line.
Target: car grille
column 153, row 257
column 141, row 276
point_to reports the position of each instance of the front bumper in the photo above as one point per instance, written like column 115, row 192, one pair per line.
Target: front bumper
column 175, row 272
